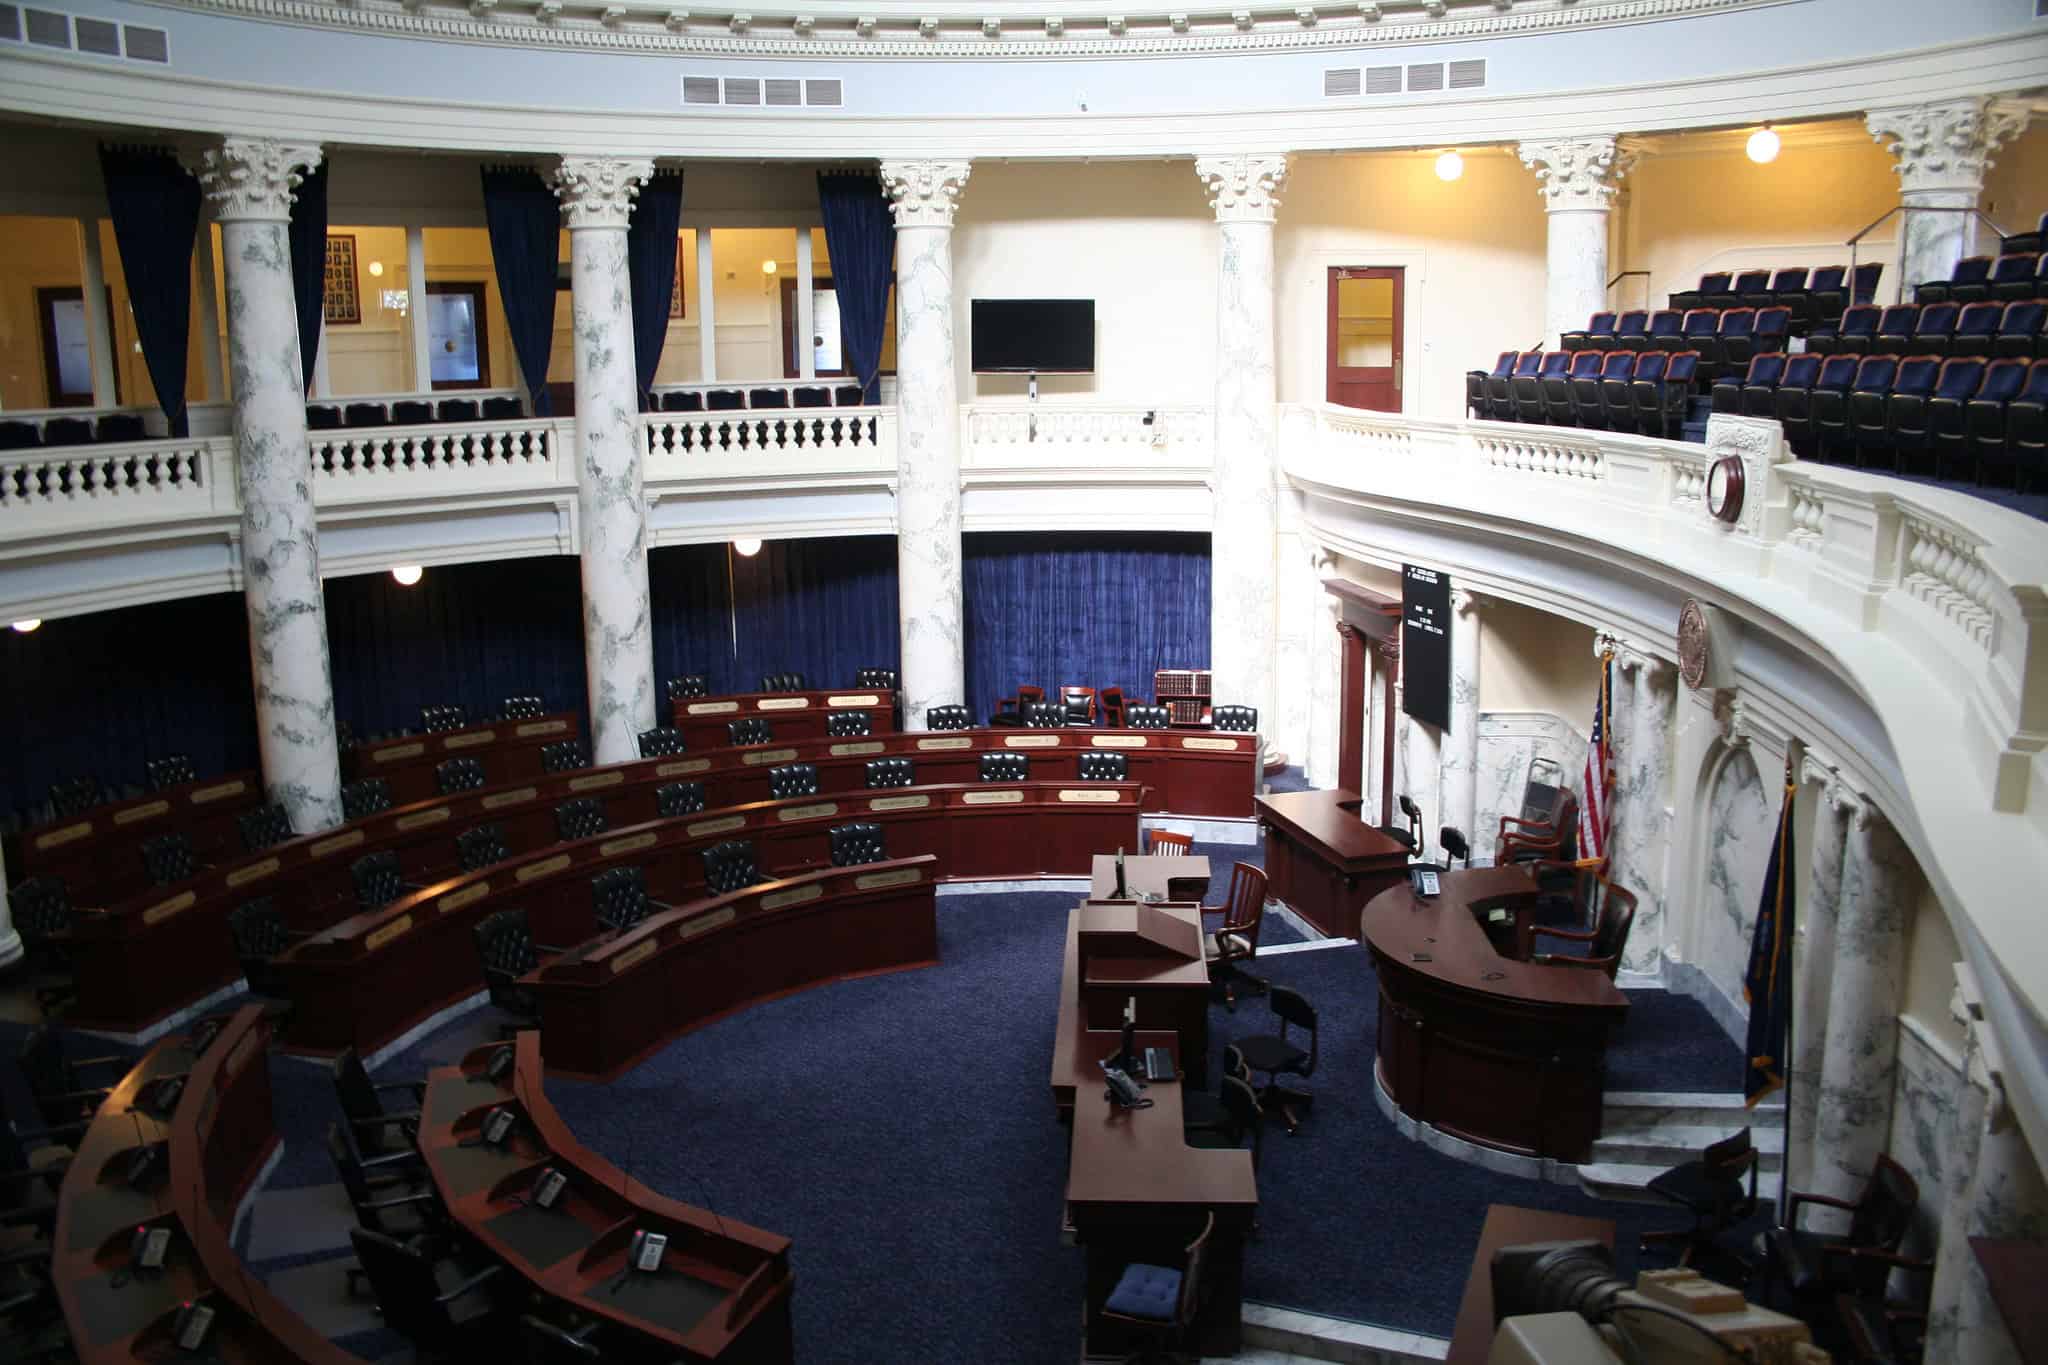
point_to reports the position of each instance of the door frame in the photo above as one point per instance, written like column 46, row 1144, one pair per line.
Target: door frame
column 47, row 294
column 1310, row 329
column 478, row 290
column 1333, row 275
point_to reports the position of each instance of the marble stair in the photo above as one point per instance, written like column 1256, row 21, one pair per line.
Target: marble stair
column 1645, row 1132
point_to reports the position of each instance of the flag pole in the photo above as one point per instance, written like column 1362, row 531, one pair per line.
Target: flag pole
column 1791, row 1017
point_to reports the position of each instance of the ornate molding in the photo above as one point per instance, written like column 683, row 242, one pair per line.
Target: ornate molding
column 1731, row 712
column 1576, row 173
column 598, row 191
column 1465, row 602
column 924, row 193
column 252, row 178
column 1946, row 145
column 1243, row 189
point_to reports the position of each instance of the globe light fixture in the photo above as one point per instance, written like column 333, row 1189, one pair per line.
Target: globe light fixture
column 29, row 624
column 1763, row 146
column 407, row 574
column 746, row 547
column 767, row 267
column 377, row 270
column 1449, row 166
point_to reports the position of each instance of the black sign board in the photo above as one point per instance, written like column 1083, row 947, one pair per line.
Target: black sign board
column 1426, row 645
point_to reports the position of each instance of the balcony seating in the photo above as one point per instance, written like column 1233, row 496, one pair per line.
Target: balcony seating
column 1988, row 417
column 1500, row 399
column 847, row 396
column 1822, row 300
column 2012, row 277
column 1528, row 388
column 411, row 412
column 522, row 708
column 1731, row 393
column 1787, row 285
column 678, row 798
column 767, row 398
column 1837, row 425
column 1698, row 334
column 119, row 426
column 1555, row 383
column 891, row 772
column 1736, row 335
column 563, row 756
column 1752, row 288
column 663, row 741
column 1660, row 403
column 724, row 400
column 1585, row 386
column 1972, row 273
column 1976, row 329
column 323, row 417
column 503, row 408
column 1617, row 372
column 2020, row 331
column 947, row 718
column 1618, row 390
column 2026, row 241
column 457, row 410
column 810, row 397
column 1870, row 410
column 1796, row 403
column 366, row 415
column 67, row 431
column 682, row 400
column 1852, row 335
column 2026, row 427
column 688, row 686
column 1631, row 330
column 1798, row 376
column 1894, row 330
column 1667, row 331
column 1907, row 413
column 1598, row 336
column 20, row 436
column 1715, row 282
column 1948, row 412
column 1645, row 390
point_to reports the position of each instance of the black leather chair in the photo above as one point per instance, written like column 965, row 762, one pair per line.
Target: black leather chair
column 20, row 436
column 504, row 945
column 390, row 1191
column 784, row 682
column 1816, row 1266
column 67, row 431
column 524, row 708
column 1003, row 766
column 1240, row 718
column 264, row 827
column 1709, row 1187
column 884, row 678
column 438, row 1302
column 411, row 412
column 688, row 686
column 453, row 775
column 480, row 846
column 435, row 720
column 378, row 879
column 259, row 934
column 323, row 417
column 366, row 415
column 792, row 779
column 502, row 409
column 848, row 723
column 618, row 897
column 860, row 842
column 1045, row 715
column 847, row 396
column 169, row 771
column 362, row 1100
column 1237, row 1118
column 456, row 410
column 42, row 916
column 678, row 798
column 750, row 730
column 663, row 741
column 63, row 1085
column 767, row 398
column 1140, row 717
column 811, row 397
column 168, row 858
column 682, row 400
column 724, row 400
column 891, row 772
column 75, row 796
column 1109, row 767
column 364, row 797
column 564, row 756
column 947, row 718
column 1279, row 1055
column 580, row 818
column 730, row 866
column 1456, row 847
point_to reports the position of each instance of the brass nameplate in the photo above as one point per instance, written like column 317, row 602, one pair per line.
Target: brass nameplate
column 796, row 895
column 677, row 769
column 468, row 895
column 635, row 955
column 163, row 910
column 218, row 791
column 1120, row 741
column 900, row 803
column 470, row 741
column 1221, row 745
column 711, row 708
column 1008, row 798
column 860, row 699
column 719, row 826
column 808, row 812
column 337, row 843
column 540, row 727
column 397, row 928
column 596, row 780
column 147, row 811
column 760, row 756
column 1032, row 742
column 611, row 848
column 512, row 798
column 544, row 868
column 57, row 838
column 422, row 818
column 253, row 872
column 875, row 881
column 1094, row 795
column 871, row 746
column 949, row 742
column 705, row 923
column 783, row 704
column 396, row 752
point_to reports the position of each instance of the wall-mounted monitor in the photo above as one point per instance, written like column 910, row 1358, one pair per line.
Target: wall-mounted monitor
column 1022, row 336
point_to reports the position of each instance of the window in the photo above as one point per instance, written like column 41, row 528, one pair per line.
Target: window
column 825, row 345
column 458, row 335
column 67, row 354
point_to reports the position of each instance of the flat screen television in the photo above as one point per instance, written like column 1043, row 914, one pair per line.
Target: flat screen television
column 1020, row 336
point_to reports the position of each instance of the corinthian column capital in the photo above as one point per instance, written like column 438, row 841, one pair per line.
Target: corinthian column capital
column 1946, row 145
column 924, row 193
column 1577, row 173
column 1243, row 189
column 598, row 191
column 252, row 178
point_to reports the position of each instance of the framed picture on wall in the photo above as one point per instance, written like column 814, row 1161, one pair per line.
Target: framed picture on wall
column 675, row 295
column 340, row 302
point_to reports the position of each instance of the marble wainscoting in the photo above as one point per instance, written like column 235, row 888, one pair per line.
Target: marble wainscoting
column 1741, row 818
column 1509, row 743
column 1924, row 1098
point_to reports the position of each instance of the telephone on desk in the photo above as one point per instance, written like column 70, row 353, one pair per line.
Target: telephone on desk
column 643, row 1256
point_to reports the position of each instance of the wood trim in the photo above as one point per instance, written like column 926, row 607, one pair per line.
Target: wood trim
column 479, row 292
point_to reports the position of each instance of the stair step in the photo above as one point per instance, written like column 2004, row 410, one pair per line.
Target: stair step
column 1638, row 1108
column 1306, row 1336
column 1629, row 1181
column 1667, row 1145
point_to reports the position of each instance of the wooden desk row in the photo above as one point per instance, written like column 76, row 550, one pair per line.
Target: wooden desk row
column 723, row 1290
column 98, row 853
column 509, row 750
column 794, row 716
column 373, row 976
column 218, row 1137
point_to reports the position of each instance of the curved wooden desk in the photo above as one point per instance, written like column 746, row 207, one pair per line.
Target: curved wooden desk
column 219, row 1136
column 1504, row 1053
column 508, row 749
column 98, row 853
column 723, row 1291
column 795, row 716
column 1324, row 860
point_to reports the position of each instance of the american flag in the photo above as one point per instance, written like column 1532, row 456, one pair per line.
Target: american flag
column 1599, row 778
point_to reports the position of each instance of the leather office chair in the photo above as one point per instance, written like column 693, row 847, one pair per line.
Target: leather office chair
column 860, row 842
column 1452, row 841
column 168, row 858
column 1199, row 1109
column 480, row 846
column 524, row 708
column 1079, row 704
column 1003, row 766
column 1277, row 1055
column 891, row 772
column 434, row 1301
column 784, row 682
column 1237, row 938
column 1710, row 1188
column 60, row 1084
column 663, row 741
column 1240, row 1118
column 947, row 718
column 505, row 947
column 1240, row 718
column 1887, row 1330
column 749, row 730
column 1010, row 710
column 547, row 1344
column 457, row 410
column 678, row 798
column 1112, row 699
column 366, row 415
column 1140, row 717
column 452, row 775
column 688, row 686
column 883, row 678
column 1164, row 843
column 435, row 720
column 1045, row 715
column 580, row 818
column 43, row 918
column 169, row 771
column 1104, row 767
column 364, row 797
column 259, row 934
column 362, row 1100
column 1159, row 1302
column 564, row 756
column 74, row 797
column 791, row 780
column 1817, row 1266
column 618, row 898
column 390, row 1190
column 848, row 723
column 1611, row 912
column 377, row 879
column 264, row 827
column 729, row 866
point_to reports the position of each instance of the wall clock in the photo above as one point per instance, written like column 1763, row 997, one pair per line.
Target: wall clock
column 1725, row 478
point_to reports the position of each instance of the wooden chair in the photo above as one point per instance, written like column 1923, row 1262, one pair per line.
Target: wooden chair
column 1555, row 838
column 1607, row 912
column 1010, row 710
column 1112, row 699
column 1237, row 938
column 1159, row 1302
column 1079, row 703
column 1817, row 1266
column 1164, row 843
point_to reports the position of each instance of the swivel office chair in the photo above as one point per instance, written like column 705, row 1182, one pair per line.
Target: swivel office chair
column 838, row 723
column 1277, row 1055
column 452, row 775
column 947, row 718
column 749, row 730
column 524, row 708
column 860, row 842
column 891, row 772
column 678, row 798
column 1104, row 767
column 618, row 898
column 663, row 741
column 480, row 846
column 580, row 819
column 688, row 686
column 564, row 755
column 365, row 797
column 265, row 827
column 730, row 866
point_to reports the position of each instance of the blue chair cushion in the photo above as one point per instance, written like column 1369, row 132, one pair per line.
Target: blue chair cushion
column 1146, row 1291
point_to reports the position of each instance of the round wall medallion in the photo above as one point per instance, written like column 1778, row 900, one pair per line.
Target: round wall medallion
column 1724, row 488
column 1692, row 643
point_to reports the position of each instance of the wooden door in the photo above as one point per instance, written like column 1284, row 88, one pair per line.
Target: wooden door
column 1364, row 331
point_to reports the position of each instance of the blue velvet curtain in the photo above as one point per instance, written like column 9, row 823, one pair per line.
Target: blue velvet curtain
column 1094, row 610
column 692, row 606
column 309, row 266
column 525, row 222
column 860, row 237
column 651, row 265
column 154, row 203
column 97, row 695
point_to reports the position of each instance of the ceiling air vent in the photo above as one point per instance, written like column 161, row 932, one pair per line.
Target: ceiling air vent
column 784, row 93
column 1468, row 75
column 700, row 90
column 1429, row 76
column 822, row 93
column 740, row 90
column 146, row 44
column 98, row 36
column 1383, row 80
column 10, row 22
column 49, row 28
column 1341, row 83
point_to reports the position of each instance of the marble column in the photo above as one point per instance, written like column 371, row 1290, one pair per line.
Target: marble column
column 1942, row 151
column 99, row 341
column 1326, row 666
column 1814, row 949
column 1243, row 592
column 250, row 181
column 10, row 938
column 618, row 638
column 1579, row 177
column 1859, row 1059
column 1460, row 761
column 1642, row 813
column 925, row 195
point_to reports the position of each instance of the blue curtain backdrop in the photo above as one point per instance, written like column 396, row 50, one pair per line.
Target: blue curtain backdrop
column 97, row 695
column 309, row 266
column 860, row 237
column 1094, row 610
column 692, row 609
column 651, row 265
column 525, row 222
column 154, row 203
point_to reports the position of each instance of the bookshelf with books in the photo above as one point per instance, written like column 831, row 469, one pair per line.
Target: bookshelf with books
column 1185, row 693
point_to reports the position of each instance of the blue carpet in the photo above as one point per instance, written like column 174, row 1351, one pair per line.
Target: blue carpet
column 1670, row 1042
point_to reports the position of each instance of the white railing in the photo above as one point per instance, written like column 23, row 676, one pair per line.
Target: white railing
column 674, row 439
column 442, row 458
column 999, row 435
column 64, row 488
